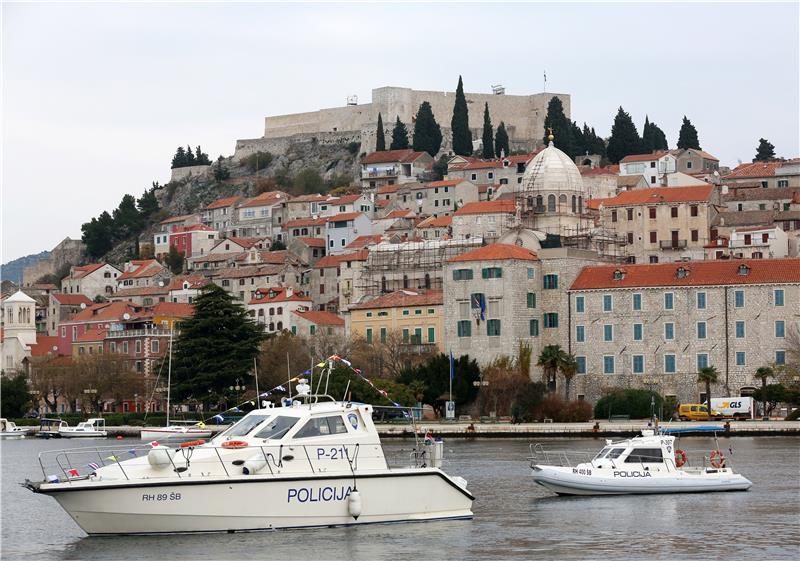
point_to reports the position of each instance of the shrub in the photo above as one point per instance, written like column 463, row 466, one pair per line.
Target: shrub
column 264, row 185
column 549, row 408
column 529, row 397
column 576, row 412
column 308, row 181
column 354, row 147
column 257, row 161
column 632, row 402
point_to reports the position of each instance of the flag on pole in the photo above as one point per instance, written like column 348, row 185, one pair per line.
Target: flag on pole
column 452, row 366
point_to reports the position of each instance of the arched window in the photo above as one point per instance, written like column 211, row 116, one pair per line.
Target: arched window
column 272, row 327
column 562, row 202
column 427, row 280
column 539, row 201
column 261, row 312
column 580, row 204
column 383, row 284
column 280, row 311
column 280, row 326
column 272, row 311
column 405, row 281
column 551, row 203
column 574, row 203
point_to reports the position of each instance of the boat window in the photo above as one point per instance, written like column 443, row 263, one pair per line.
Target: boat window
column 277, row 428
column 322, row 426
column 645, row 456
column 615, row 453
column 602, row 453
column 246, row 425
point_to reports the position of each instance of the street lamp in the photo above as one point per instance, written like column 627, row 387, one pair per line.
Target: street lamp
column 651, row 384
column 237, row 388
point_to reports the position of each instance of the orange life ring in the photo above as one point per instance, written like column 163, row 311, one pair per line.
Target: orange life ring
column 192, row 443
column 717, row 459
column 680, row 458
column 235, row 444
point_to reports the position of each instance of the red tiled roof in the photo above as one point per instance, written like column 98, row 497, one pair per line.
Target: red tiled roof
column 139, row 291
column 277, row 257
column 173, row 310
column 757, row 169
column 701, row 273
column 403, row 298
column 300, row 222
column 195, row 281
column 382, row 203
column 344, row 199
column 246, row 243
column 344, row 216
column 268, row 198
column 445, row 183
column 594, row 204
column 279, row 294
column 589, row 172
column 400, row 213
column 71, row 299
column 387, row 156
column 180, row 218
column 143, row 268
column 704, row 154
column 82, row 270
column 694, row 193
column 755, row 228
column 364, row 241
column 333, row 260
column 614, row 168
column 308, row 198
column 192, row 228
column 312, row 242
column 252, row 271
column 386, row 189
column 44, row 345
column 91, row 336
column 222, row 203
column 105, row 312
column 320, row 318
column 644, row 157
column 436, row 222
column 496, row 252
column 506, row 206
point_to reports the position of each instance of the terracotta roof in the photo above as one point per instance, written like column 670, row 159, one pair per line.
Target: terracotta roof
column 91, row 336
column 222, row 203
column 496, row 252
column 44, row 345
column 382, row 203
column 140, row 291
column 695, row 193
column 334, row 260
column 757, row 169
column 589, row 172
column 386, row 189
column 143, row 268
column 436, row 222
column 343, row 200
column 344, row 216
column 594, row 204
column 71, row 299
column 644, row 157
column 614, row 168
column 364, row 241
column 266, row 256
column 626, row 180
column 279, row 294
column 701, row 273
column 215, row 257
column 400, row 213
column 180, row 218
column 195, row 281
column 105, row 312
column 300, row 222
column 769, row 194
column 173, row 310
column 756, row 228
column 254, row 271
column 312, row 242
column 745, row 218
column 308, row 198
column 246, row 243
column 403, row 298
column 192, row 228
column 704, row 154
column 387, row 156
column 505, row 206
column 82, row 270
column 264, row 199
column 320, row 318
column 445, row 183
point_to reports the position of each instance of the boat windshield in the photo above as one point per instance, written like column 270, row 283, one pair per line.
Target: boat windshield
column 615, row 453
column 245, row 425
column 277, row 428
column 602, row 453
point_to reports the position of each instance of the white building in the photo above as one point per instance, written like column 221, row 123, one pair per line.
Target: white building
column 341, row 229
column 272, row 307
column 98, row 279
column 652, row 166
column 19, row 331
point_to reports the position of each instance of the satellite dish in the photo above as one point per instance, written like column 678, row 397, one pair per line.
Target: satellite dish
column 126, row 316
column 83, row 305
column 55, row 348
column 160, row 283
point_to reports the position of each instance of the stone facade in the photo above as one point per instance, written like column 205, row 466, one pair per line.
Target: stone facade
column 178, row 174
column 68, row 251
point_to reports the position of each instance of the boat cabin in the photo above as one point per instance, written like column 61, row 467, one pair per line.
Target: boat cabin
column 648, row 452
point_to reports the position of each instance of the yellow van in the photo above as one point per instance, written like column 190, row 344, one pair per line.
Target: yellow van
column 696, row 412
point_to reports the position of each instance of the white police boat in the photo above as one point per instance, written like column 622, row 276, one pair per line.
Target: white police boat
column 313, row 462
column 641, row 465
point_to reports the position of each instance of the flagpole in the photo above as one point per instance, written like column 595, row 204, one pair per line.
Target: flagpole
column 255, row 373
column 289, row 375
column 451, row 375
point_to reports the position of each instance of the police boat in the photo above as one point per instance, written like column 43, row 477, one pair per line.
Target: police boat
column 645, row 464
column 313, row 462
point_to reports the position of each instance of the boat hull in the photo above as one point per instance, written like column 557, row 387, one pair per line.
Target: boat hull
column 260, row 503
column 12, row 435
column 83, row 434
column 564, row 481
column 164, row 434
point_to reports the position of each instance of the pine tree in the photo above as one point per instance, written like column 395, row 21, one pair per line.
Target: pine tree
column 427, row 132
column 147, row 203
column 501, row 141
column 399, row 136
column 459, row 125
column 221, row 172
column 215, row 346
column 179, row 159
column 190, row 160
column 557, row 122
column 687, row 137
column 488, row 139
column 98, row 235
column 624, row 139
column 127, row 219
column 765, row 151
column 380, row 138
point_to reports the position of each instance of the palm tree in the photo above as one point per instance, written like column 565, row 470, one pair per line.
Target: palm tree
column 552, row 359
column 708, row 375
column 569, row 367
column 764, row 372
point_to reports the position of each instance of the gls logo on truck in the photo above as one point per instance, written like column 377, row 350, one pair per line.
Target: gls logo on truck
column 731, row 405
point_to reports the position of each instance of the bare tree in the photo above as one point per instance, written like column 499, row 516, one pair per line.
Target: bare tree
column 272, row 360
column 390, row 356
column 505, row 379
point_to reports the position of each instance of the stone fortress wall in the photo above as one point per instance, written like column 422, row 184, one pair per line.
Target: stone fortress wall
column 67, row 251
column 523, row 115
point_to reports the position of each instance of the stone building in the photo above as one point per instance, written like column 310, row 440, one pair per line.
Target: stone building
column 663, row 224
column 765, row 174
column 221, row 214
column 326, row 276
column 310, row 323
column 657, row 325
column 755, row 242
column 97, row 279
column 486, row 219
column 393, row 167
column 62, row 307
column 261, row 216
column 273, row 306
column 523, row 116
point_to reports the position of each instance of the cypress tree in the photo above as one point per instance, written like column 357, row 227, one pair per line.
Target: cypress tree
column 380, row 138
column 647, row 136
column 501, row 141
column 201, row 158
column 488, row 139
column 598, row 144
column 561, row 127
column 190, row 161
column 624, row 138
column 765, row 151
column 459, row 125
column 659, row 139
column 579, row 147
column 427, row 132
column 687, row 137
column 179, row 159
column 399, row 136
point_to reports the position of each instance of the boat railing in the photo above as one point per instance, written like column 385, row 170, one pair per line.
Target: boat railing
column 567, row 458
column 77, row 464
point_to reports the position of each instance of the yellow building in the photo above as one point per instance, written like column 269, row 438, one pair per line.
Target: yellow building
column 415, row 314
column 169, row 315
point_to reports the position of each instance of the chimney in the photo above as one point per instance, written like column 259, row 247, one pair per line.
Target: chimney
column 289, row 291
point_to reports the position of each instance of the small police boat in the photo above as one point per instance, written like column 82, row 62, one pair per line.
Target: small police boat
column 641, row 465
column 313, row 462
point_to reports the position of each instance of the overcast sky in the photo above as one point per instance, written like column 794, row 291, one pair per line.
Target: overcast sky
column 96, row 97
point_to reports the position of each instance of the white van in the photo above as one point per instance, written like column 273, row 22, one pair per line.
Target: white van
column 735, row 407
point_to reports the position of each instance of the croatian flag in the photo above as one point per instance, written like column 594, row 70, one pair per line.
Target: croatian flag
column 94, row 466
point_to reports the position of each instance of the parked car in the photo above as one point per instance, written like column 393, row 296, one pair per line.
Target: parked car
column 696, row 412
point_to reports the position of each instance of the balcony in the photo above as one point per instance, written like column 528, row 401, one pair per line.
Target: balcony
column 117, row 334
column 672, row 244
column 412, row 347
column 376, row 173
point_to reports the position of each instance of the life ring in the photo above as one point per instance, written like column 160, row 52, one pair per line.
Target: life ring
column 717, row 459
column 235, row 444
column 192, row 443
column 680, row 458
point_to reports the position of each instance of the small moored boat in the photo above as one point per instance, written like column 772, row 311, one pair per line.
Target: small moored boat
column 175, row 432
column 9, row 430
column 50, row 428
column 645, row 464
column 93, row 428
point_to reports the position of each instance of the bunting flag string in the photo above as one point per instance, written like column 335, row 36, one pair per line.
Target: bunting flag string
column 357, row 372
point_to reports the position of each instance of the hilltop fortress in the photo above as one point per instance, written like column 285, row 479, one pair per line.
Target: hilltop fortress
column 523, row 115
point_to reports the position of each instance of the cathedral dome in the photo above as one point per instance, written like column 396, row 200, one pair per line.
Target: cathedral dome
column 552, row 171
